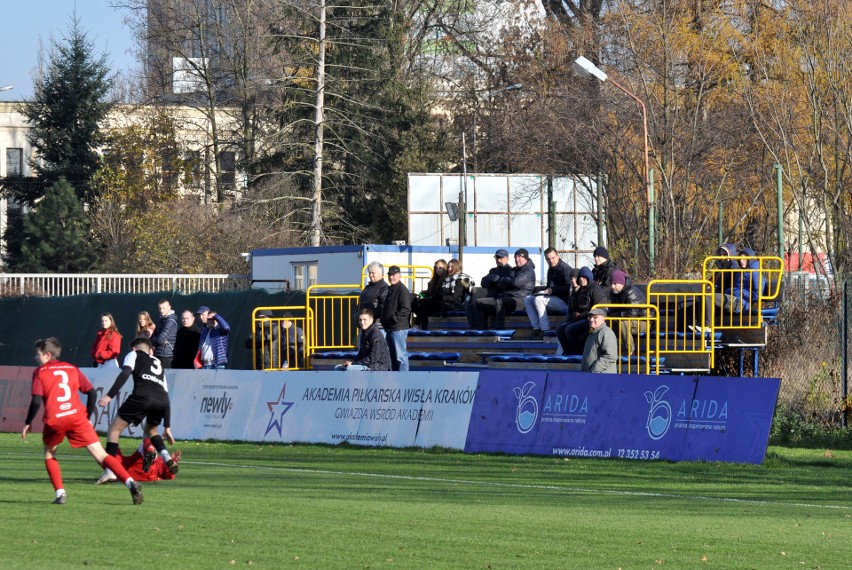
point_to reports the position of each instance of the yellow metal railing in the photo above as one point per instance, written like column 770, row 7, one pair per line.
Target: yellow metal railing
column 275, row 340
column 685, row 306
column 331, row 317
column 769, row 270
column 415, row 277
column 625, row 329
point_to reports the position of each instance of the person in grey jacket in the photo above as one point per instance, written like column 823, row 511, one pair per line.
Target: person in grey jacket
column 511, row 288
column 601, row 349
column 165, row 334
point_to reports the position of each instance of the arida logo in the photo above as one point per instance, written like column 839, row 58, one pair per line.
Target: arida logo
column 660, row 413
column 527, row 412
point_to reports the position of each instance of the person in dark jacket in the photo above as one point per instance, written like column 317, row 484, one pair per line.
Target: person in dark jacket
column 511, row 289
column 603, row 269
column 396, row 319
column 186, row 342
column 373, row 353
column 430, row 301
column 488, row 285
column 266, row 342
column 573, row 332
column 456, row 288
column 624, row 292
column 374, row 292
column 742, row 286
column 165, row 333
column 555, row 298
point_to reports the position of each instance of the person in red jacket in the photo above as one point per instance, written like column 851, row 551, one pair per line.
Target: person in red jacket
column 107, row 345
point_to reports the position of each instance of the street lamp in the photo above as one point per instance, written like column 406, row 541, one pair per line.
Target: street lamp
column 585, row 68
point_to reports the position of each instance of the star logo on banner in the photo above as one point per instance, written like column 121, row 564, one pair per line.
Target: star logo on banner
column 277, row 409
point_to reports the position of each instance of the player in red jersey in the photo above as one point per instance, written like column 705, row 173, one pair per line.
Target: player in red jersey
column 57, row 384
column 157, row 469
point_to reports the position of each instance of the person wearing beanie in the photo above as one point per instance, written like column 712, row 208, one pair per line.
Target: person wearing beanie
column 624, row 292
column 554, row 298
column 573, row 332
column 603, row 267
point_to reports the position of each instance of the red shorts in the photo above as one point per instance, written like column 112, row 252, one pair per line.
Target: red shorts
column 80, row 434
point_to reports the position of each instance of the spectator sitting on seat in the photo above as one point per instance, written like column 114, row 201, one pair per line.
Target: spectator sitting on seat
column 573, row 332
column 294, row 338
column 373, row 353
column 724, row 274
column 603, row 268
column 746, row 287
column 429, row 302
column 511, row 289
column 600, row 350
column 554, row 298
column 374, row 292
column 624, row 292
column 265, row 342
column 456, row 288
column 488, row 285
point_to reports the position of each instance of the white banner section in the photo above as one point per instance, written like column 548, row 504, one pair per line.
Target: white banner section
column 414, row 409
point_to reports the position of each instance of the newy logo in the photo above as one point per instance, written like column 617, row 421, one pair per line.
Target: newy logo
column 214, row 405
column 527, row 412
column 660, row 413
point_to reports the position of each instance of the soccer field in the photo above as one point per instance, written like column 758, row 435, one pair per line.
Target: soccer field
column 272, row 506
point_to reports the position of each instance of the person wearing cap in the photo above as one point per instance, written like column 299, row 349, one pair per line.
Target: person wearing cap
column 186, row 341
column 396, row 319
column 624, row 292
column 603, row 268
column 555, row 298
column 488, row 285
column 265, row 342
column 511, row 289
column 374, row 292
column 213, row 343
column 165, row 333
column 373, row 353
column 600, row 351
column 573, row 332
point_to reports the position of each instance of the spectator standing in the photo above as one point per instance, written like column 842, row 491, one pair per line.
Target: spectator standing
column 624, row 292
column 186, row 341
column 600, row 351
column 107, row 345
column 511, row 288
column 266, row 342
column 163, row 339
column 375, row 291
column 573, row 332
column 396, row 319
column 294, row 340
column 213, row 342
column 603, row 269
column 488, row 284
column 58, row 385
column 430, row 301
column 554, row 298
column 145, row 327
column 456, row 289
column 373, row 352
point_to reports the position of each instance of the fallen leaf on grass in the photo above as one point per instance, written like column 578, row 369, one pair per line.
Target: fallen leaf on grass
column 660, row 562
column 828, row 453
column 704, row 558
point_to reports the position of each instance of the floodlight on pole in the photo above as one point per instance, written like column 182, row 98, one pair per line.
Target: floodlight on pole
column 585, row 68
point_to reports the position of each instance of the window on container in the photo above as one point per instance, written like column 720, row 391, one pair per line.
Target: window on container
column 228, row 167
column 14, row 162
column 304, row 275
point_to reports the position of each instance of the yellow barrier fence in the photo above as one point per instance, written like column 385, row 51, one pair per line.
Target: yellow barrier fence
column 276, row 343
column 331, row 317
column 685, row 317
column 740, row 309
column 634, row 338
column 415, row 277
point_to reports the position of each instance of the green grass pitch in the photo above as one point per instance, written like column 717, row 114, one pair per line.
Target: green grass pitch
column 282, row 506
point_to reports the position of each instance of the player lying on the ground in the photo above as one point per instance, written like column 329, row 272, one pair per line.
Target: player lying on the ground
column 145, row 464
column 149, row 401
column 57, row 384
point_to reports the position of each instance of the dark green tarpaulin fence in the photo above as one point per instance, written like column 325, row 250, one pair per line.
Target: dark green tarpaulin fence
column 76, row 320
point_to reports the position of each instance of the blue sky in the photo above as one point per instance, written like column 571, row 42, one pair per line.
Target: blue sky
column 24, row 24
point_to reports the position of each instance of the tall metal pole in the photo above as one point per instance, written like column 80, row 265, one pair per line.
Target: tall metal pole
column 780, row 183
column 463, row 203
column 721, row 214
column 316, row 213
column 652, row 224
column 844, row 384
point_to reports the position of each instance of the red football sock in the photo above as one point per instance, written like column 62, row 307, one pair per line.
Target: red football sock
column 115, row 466
column 54, row 472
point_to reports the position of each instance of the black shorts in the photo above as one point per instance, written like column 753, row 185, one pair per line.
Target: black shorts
column 137, row 408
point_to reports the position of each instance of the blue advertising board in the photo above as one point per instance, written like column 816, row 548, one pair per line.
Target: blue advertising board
column 570, row 414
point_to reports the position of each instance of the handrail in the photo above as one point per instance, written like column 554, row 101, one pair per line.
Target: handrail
column 411, row 277
column 688, row 302
column 68, row 284
column 279, row 324
column 650, row 321
column 770, row 272
column 337, row 311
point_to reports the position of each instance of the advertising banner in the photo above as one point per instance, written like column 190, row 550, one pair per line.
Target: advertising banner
column 421, row 409
column 571, row 414
column 16, row 384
